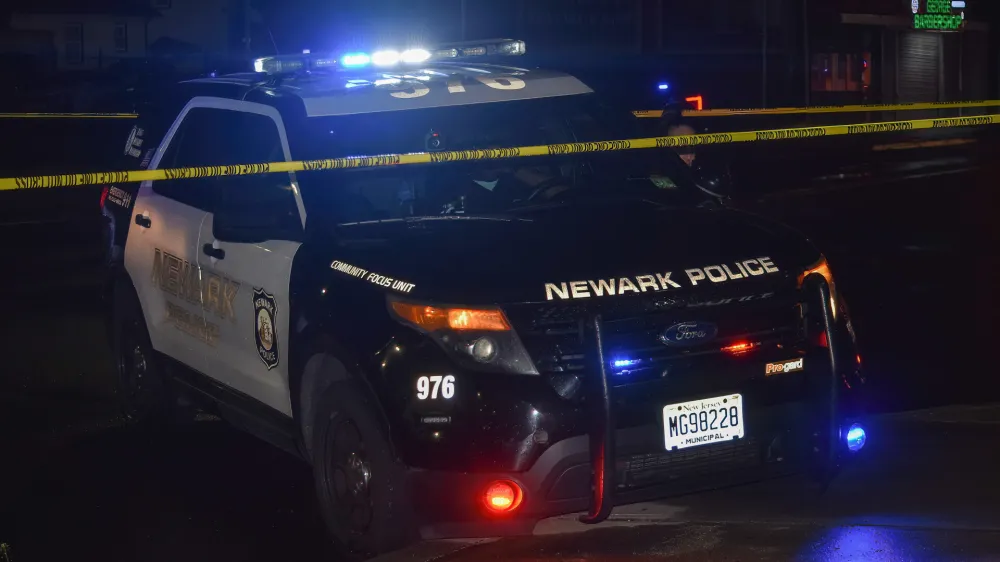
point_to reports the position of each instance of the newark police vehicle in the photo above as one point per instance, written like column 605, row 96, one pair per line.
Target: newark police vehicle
column 465, row 347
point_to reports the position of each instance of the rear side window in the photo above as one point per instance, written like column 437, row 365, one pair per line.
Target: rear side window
column 216, row 137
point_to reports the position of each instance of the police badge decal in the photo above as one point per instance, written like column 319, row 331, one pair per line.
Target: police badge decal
column 265, row 310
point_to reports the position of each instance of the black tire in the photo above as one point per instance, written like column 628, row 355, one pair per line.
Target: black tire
column 142, row 393
column 360, row 486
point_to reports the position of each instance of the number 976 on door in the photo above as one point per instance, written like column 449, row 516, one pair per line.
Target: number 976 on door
column 435, row 387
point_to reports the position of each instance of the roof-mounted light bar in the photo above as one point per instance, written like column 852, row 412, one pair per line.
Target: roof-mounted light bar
column 494, row 47
column 388, row 58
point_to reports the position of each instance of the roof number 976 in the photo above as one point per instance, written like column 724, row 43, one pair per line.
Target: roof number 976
column 434, row 386
column 406, row 89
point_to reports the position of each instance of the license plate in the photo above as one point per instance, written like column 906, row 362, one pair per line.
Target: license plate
column 703, row 422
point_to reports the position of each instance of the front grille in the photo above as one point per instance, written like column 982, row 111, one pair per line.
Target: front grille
column 644, row 469
column 558, row 341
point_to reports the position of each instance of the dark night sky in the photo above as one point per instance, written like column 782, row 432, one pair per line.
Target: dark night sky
column 345, row 24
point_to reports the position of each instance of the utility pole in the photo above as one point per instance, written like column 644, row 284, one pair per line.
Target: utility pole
column 763, row 54
column 807, row 60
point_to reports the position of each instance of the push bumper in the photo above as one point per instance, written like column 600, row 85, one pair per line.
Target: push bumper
column 560, row 481
column 606, row 467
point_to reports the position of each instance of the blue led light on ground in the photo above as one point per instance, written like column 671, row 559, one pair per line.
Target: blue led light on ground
column 856, row 437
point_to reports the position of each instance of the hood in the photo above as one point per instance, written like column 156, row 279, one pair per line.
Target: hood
column 571, row 253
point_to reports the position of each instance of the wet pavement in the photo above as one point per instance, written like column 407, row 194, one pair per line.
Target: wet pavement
column 923, row 490
column 913, row 258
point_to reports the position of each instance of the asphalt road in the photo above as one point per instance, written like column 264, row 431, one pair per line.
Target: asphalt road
column 914, row 258
column 918, row 494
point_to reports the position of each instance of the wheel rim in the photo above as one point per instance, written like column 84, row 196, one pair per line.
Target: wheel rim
column 349, row 481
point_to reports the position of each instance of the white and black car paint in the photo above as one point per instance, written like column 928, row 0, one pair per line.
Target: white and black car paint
column 288, row 331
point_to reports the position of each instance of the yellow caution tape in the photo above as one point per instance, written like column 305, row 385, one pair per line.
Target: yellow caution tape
column 824, row 109
column 68, row 115
column 640, row 113
column 100, row 178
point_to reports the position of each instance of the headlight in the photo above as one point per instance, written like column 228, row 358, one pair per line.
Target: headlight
column 823, row 268
column 480, row 338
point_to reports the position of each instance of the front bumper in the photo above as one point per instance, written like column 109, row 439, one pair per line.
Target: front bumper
column 560, row 481
column 608, row 467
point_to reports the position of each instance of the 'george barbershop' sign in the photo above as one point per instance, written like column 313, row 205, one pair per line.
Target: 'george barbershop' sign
column 938, row 15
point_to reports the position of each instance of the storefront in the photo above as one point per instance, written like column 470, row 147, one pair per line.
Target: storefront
column 906, row 51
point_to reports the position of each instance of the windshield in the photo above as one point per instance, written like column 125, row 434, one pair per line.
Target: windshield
column 484, row 187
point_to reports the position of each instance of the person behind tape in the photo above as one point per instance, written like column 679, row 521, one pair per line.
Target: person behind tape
column 685, row 152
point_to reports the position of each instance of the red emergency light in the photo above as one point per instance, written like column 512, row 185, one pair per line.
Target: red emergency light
column 502, row 496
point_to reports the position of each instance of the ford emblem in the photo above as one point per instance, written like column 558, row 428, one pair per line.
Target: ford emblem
column 687, row 334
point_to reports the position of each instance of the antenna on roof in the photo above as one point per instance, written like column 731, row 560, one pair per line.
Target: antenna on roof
column 271, row 35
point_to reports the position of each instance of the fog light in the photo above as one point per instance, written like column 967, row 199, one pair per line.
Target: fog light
column 856, row 437
column 503, row 496
column 483, row 350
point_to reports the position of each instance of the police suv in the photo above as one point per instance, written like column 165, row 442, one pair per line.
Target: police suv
column 464, row 347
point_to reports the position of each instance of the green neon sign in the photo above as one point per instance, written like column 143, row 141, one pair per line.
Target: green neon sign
column 937, row 21
column 939, row 15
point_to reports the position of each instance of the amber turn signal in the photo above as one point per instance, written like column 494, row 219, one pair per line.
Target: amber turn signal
column 433, row 318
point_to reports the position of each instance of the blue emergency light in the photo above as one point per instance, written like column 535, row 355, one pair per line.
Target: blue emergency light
column 855, row 437
column 388, row 58
column 622, row 363
column 355, row 60
column 663, row 86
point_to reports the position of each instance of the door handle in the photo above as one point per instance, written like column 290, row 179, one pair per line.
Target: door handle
column 143, row 221
column 210, row 251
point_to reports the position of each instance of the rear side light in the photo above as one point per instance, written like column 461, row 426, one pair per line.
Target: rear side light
column 502, row 496
column 697, row 101
column 104, row 196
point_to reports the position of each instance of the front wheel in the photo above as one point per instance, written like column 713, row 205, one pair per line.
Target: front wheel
column 143, row 396
column 360, row 486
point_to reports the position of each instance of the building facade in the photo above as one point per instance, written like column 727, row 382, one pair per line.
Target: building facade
column 765, row 52
column 882, row 51
column 187, row 34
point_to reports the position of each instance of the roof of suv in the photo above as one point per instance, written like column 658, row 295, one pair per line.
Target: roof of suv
column 354, row 91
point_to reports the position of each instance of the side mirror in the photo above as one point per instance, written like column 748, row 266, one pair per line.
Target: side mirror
column 714, row 178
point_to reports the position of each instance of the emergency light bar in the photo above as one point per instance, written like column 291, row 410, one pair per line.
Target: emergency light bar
column 388, row 58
